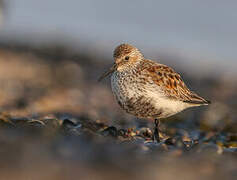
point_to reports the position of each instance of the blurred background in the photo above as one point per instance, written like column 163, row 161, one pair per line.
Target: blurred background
column 52, row 53
column 196, row 32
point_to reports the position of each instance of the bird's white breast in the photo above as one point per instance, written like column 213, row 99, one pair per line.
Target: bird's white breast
column 124, row 88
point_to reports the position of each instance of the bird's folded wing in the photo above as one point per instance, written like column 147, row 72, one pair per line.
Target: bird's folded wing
column 171, row 83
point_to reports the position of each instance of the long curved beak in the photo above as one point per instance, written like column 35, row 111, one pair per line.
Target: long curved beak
column 111, row 70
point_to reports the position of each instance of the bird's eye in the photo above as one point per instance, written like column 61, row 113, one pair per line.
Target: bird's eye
column 127, row 58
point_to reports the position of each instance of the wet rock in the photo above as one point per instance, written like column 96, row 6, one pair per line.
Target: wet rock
column 186, row 139
column 232, row 137
column 231, row 150
column 131, row 132
column 68, row 123
column 69, row 127
column 188, row 145
column 179, row 143
column 170, row 141
column 123, row 133
column 36, row 123
column 145, row 133
column 110, row 131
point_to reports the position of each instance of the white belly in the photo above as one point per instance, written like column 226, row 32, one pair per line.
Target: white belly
column 125, row 89
column 169, row 107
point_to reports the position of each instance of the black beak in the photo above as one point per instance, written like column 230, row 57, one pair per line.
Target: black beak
column 111, row 70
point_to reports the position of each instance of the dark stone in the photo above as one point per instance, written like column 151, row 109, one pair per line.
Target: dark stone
column 170, row 141
column 122, row 132
column 68, row 123
column 110, row 131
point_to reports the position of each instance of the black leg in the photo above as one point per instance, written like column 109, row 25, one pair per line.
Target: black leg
column 156, row 136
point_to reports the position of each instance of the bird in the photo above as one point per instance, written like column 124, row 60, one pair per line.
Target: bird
column 148, row 89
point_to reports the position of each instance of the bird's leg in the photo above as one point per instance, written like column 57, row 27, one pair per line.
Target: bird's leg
column 156, row 136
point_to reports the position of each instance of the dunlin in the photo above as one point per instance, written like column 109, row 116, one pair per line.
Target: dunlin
column 148, row 89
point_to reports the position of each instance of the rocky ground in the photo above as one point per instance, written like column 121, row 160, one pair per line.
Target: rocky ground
column 58, row 122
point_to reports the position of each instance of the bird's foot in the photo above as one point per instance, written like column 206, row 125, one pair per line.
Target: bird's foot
column 156, row 136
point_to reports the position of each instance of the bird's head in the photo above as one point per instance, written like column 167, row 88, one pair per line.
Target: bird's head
column 125, row 56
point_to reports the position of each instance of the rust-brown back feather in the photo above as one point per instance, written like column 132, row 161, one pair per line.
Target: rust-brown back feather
column 170, row 82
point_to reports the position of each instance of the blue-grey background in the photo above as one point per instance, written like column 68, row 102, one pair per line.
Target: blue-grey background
column 201, row 34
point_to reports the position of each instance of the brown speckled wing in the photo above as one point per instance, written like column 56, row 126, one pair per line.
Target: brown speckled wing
column 171, row 83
